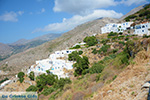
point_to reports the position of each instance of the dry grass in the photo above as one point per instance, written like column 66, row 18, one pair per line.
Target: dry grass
column 128, row 84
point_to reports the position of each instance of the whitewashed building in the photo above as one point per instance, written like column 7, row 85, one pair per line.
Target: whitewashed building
column 5, row 83
column 55, row 65
column 81, row 44
column 143, row 28
column 113, row 27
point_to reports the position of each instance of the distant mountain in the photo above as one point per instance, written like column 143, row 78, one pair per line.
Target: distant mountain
column 6, row 50
column 46, row 37
column 21, row 41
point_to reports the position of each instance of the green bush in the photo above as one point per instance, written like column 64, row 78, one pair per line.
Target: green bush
column 112, row 56
column 81, row 65
column 113, row 34
column 91, row 40
column 104, row 41
column 122, row 58
column 121, row 42
column 115, row 50
column 130, row 17
column 94, row 51
column 114, row 77
column 31, row 76
column 104, row 48
column 98, row 77
column 48, row 91
column 73, row 56
column 61, row 83
column 144, row 13
column 146, row 36
column 96, row 68
column 21, row 76
column 21, row 79
column 32, row 88
column 43, row 80
column 76, row 47
column 147, row 6
column 80, row 52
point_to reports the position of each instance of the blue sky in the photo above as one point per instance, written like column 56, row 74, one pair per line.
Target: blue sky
column 31, row 18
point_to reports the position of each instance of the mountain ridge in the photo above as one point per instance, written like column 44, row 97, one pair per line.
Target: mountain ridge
column 24, row 44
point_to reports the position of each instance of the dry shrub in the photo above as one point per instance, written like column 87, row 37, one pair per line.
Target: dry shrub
column 78, row 96
column 92, row 78
column 141, row 57
column 66, row 95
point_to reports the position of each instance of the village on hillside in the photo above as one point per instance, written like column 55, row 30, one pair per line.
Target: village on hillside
column 58, row 63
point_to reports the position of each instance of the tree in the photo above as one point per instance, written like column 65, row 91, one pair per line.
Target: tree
column 80, row 52
column 91, row 40
column 21, row 76
column 31, row 75
column 73, row 56
column 21, row 79
column 81, row 65
column 61, row 83
column 31, row 88
column 44, row 80
column 47, row 71
column 96, row 68
column 94, row 51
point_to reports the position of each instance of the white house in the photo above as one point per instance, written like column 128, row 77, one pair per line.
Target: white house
column 5, row 83
column 143, row 28
column 53, row 64
column 113, row 27
column 81, row 44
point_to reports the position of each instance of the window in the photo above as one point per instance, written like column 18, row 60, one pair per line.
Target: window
column 142, row 30
column 143, row 26
column 138, row 27
column 126, row 23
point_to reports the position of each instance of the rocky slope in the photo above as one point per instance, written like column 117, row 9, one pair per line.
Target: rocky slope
column 5, row 50
column 128, row 84
column 133, row 11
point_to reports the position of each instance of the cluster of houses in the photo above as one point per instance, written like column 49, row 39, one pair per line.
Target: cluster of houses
column 56, row 64
column 139, row 29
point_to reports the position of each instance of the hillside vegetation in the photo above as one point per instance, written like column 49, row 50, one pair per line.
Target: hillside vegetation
column 27, row 58
column 142, row 15
column 116, row 51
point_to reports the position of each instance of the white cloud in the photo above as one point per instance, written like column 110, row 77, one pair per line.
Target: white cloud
column 11, row 16
column 68, row 24
column 20, row 12
column 130, row 2
column 41, row 11
column 31, row 13
column 81, row 6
